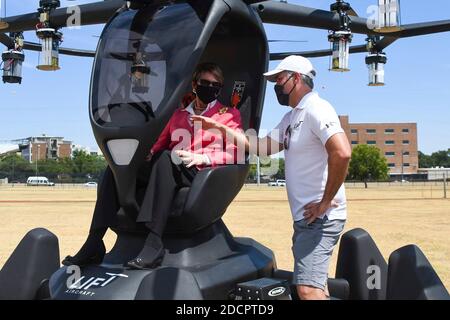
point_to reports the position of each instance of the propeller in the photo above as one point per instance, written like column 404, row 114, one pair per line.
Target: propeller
column 287, row 40
column 315, row 53
column 32, row 46
column 131, row 56
column 92, row 13
column 67, row 51
column 420, row 29
column 300, row 16
column 380, row 45
column 6, row 40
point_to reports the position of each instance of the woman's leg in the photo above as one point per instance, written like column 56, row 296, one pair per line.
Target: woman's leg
column 165, row 180
column 106, row 207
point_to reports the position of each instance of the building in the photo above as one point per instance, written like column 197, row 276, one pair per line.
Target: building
column 44, row 147
column 8, row 149
column 397, row 142
column 437, row 173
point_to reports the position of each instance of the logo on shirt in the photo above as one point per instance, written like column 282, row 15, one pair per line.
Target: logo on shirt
column 330, row 124
column 223, row 110
column 297, row 125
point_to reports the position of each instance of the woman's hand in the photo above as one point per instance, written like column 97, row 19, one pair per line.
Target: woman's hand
column 149, row 157
column 207, row 122
column 192, row 159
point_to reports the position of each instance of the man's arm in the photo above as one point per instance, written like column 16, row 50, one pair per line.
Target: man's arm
column 339, row 155
column 271, row 146
column 253, row 145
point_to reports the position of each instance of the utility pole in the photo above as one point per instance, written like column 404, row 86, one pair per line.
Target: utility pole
column 445, row 184
column 258, row 168
column 38, row 149
column 13, row 165
column 402, row 164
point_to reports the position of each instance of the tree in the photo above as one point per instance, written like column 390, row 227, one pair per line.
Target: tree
column 437, row 159
column 441, row 159
column 425, row 160
column 280, row 174
column 84, row 163
column 14, row 167
column 368, row 164
column 273, row 167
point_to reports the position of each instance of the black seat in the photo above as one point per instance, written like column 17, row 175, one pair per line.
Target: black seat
column 360, row 260
column 199, row 206
column 411, row 277
column 205, row 202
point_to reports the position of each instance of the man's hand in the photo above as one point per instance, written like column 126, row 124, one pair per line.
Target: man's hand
column 191, row 159
column 314, row 210
column 207, row 122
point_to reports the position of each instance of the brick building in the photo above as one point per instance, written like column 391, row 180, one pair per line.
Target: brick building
column 397, row 142
column 44, row 147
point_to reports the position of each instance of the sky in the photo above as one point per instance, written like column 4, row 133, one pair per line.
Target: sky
column 417, row 80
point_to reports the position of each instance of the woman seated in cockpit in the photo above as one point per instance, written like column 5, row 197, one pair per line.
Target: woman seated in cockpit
column 182, row 149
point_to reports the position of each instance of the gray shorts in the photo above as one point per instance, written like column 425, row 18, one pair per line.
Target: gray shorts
column 312, row 246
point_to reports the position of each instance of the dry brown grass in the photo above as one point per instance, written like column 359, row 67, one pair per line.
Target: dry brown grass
column 394, row 215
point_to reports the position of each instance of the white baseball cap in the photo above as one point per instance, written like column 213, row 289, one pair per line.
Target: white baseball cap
column 293, row 63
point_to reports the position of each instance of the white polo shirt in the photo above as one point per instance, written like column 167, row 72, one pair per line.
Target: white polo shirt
column 313, row 122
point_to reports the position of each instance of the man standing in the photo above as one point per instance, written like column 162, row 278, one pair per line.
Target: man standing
column 317, row 154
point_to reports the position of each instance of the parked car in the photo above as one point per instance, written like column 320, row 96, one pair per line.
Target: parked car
column 39, row 181
column 278, row 183
column 91, row 184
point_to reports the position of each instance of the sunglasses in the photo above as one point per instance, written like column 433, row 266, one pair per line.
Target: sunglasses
column 207, row 83
column 287, row 137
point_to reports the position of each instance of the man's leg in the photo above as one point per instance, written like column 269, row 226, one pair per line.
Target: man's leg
column 312, row 247
column 311, row 293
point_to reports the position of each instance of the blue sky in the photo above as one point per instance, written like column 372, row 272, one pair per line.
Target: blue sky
column 417, row 78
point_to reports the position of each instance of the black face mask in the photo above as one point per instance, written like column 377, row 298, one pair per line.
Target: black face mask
column 207, row 94
column 283, row 98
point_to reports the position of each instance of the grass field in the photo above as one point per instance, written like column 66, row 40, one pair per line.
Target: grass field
column 395, row 215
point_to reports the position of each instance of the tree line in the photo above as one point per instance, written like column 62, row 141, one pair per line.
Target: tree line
column 81, row 167
column 367, row 164
column 436, row 159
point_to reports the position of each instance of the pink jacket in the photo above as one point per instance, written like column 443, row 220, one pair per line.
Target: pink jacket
column 209, row 142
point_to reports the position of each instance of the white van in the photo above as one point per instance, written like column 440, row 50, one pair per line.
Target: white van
column 39, row 181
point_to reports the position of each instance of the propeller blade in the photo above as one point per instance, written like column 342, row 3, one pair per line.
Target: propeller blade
column 385, row 42
column 130, row 56
column 419, row 29
column 300, row 16
column 92, row 13
column 352, row 12
column 287, row 40
column 32, row 46
column 6, row 40
column 315, row 54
